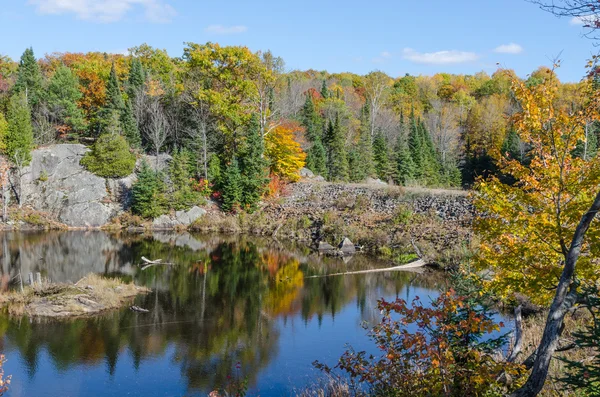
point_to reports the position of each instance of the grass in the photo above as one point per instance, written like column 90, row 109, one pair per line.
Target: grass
column 90, row 295
column 329, row 386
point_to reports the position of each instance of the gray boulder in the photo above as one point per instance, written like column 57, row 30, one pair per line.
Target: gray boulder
column 347, row 247
column 372, row 181
column 323, row 246
column 306, row 173
column 181, row 218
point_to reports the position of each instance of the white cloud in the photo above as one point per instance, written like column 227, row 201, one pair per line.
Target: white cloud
column 106, row 10
column 511, row 48
column 439, row 57
column 220, row 29
column 583, row 20
column 386, row 54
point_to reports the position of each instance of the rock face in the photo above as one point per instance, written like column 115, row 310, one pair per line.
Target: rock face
column 347, row 246
column 181, row 218
column 56, row 183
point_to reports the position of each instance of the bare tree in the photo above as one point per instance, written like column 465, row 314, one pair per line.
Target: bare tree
column 265, row 81
column 157, row 128
column 586, row 12
column 377, row 86
column 443, row 121
column 44, row 129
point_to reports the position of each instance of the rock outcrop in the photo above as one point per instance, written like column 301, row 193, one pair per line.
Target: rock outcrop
column 56, row 183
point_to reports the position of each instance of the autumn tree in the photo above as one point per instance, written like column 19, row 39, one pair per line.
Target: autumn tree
column 377, row 86
column 284, row 153
column 533, row 231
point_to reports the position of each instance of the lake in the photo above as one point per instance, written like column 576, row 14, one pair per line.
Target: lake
column 229, row 307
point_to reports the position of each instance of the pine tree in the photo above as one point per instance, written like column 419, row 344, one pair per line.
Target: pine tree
column 137, row 78
column 232, row 186
column 337, row 161
column 130, row 126
column 405, row 167
column 62, row 97
column 316, row 158
column 511, row 147
column 381, row 157
column 253, row 167
column 114, row 98
column 183, row 195
column 324, row 90
column 19, row 135
column 310, row 119
column 364, row 167
column 431, row 168
column 29, row 79
column 148, row 193
column 214, row 170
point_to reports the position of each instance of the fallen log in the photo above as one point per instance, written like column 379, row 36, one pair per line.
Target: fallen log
column 139, row 309
column 155, row 262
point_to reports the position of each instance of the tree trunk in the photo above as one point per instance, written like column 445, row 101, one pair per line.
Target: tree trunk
column 564, row 299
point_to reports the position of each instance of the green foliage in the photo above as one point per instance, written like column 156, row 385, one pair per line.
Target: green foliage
column 110, row 157
column 137, row 78
column 381, row 158
column 62, row 96
column 253, row 167
column 587, row 149
column 324, row 90
column 29, row 78
column 337, row 163
column 19, row 135
column 405, row 167
column 427, row 167
column 114, row 98
column 232, row 186
column 214, row 169
column 3, row 133
column 310, row 119
column 149, row 193
column 130, row 126
column 582, row 377
column 316, row 158
column 183, row 194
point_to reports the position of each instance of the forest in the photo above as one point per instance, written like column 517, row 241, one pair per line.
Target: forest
column 239, row 125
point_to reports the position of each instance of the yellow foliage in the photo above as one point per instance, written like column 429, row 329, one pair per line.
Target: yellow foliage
column 284, row 152
column 526, row 227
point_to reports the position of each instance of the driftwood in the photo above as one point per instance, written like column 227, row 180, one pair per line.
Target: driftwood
column 155, row 262
column 412, row 266
column 139, row 309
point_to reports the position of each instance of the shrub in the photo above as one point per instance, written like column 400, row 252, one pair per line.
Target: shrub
column 110, row 157
column 443, row 350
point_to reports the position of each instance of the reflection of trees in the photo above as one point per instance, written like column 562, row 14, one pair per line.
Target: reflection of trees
column 215, row 308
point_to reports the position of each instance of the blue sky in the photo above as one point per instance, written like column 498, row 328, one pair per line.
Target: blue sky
column 396, row 36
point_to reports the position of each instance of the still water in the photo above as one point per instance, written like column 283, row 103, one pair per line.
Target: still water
column 228, row 303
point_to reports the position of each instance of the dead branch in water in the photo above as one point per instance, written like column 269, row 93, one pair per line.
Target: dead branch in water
column 155, row 262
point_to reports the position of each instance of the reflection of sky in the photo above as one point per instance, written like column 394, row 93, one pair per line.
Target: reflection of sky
column 300, row 344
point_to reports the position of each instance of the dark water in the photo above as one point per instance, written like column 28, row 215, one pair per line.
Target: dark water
column 229, row 302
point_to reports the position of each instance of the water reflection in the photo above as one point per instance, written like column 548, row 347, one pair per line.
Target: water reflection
column 226, row 300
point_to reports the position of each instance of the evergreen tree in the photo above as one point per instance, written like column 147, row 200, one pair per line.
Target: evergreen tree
column 336, row 159
column 253, row 167
column 148, row 193
column 214, row 170
column 381, row 157
column 405, row 167
column 316, row 158
column 183, row 195
column 232, row 186
column 110, row 157
column 427, row 166
column 114, row 98
column 310, row 119
column 137, row 78
column 130, row 126
column 62, row 97
column 511, row 147
column 29, row 79
column 19, row 135
column 364, row 167
column 324, row 90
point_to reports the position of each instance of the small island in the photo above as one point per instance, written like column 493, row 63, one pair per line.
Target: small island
column 89, row 296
